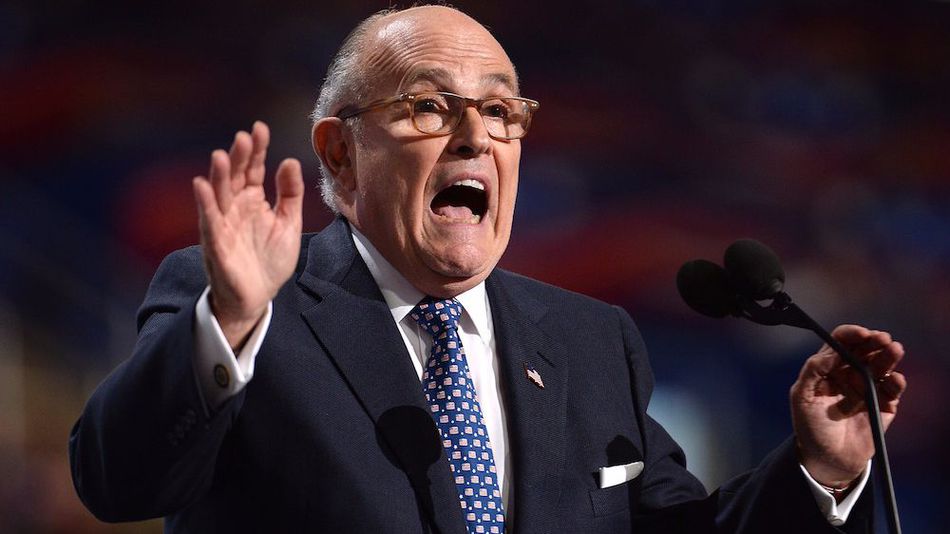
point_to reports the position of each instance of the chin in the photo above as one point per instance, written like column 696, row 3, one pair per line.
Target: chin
column 458, row 268
column 462, row 263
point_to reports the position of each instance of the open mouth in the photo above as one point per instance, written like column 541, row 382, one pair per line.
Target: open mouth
column 463, row 201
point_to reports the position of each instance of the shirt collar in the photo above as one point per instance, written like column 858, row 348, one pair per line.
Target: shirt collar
column 401, row 296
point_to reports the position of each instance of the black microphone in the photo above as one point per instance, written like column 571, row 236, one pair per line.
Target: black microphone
column 752, row 274
column 754, row 270
column 706, row 288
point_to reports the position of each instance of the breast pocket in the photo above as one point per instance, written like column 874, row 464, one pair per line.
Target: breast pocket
column 623, row 485
column 608, row 501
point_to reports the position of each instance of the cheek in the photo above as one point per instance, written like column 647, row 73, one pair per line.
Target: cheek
column 416, row 167
column 508, row 166
column 392, row 202
column 383, row 180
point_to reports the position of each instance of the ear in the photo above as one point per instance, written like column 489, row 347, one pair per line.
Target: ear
column 330, row 144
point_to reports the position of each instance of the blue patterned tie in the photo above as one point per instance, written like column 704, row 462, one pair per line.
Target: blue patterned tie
column 450, row 394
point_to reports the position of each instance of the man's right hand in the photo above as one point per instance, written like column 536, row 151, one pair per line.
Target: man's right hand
column 250, row 250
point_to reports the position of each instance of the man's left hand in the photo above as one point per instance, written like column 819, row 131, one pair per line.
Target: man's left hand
column 828, row 409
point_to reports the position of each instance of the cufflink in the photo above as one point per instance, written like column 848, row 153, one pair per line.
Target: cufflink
column 221, row 376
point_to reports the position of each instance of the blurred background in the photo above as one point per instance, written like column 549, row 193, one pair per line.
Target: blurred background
column 667, row 130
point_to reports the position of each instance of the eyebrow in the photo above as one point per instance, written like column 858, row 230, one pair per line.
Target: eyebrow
column 440, row 76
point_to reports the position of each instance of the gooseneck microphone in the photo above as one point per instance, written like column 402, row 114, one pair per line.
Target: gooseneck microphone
column 705, row 287
column 753, row 269
column 750, row 285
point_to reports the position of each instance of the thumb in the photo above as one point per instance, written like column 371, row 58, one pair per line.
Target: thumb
column 290, row 189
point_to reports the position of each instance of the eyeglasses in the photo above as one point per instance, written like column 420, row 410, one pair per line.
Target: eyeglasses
column 439, row 113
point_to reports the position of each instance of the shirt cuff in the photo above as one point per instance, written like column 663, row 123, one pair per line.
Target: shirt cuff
column 836, row 512
column 220, row 373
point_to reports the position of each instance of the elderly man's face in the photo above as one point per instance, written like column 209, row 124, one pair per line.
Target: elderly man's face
column 438, row 208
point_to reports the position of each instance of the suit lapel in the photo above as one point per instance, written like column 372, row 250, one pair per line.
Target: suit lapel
column 353, row 324
column 536, row 416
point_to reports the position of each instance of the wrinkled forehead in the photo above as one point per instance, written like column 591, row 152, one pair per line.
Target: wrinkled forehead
column 449, row 52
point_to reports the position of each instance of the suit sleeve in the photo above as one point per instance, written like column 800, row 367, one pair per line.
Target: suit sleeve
column 774, row 497
column 145, row 444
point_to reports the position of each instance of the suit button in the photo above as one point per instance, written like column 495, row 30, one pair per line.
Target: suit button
column 221, row 376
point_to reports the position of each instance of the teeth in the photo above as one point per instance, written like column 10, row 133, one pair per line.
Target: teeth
column 474, row 220
column 471, row 183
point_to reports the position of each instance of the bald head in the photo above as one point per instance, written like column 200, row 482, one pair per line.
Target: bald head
column 396, row 42
column 378, row 54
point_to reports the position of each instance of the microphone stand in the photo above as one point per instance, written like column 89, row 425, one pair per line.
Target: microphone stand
column 783, row 311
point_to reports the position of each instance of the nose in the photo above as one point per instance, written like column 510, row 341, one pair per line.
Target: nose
column 471, row 138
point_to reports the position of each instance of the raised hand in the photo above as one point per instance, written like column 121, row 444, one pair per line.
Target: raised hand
column 828, row 409
column 250, row 249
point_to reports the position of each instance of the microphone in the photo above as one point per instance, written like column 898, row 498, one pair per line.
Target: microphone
column 752, row 273
column 706, row 288
column 753, row 269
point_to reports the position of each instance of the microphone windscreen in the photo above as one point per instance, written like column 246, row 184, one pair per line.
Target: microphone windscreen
column 754, row 270
column 705, row 288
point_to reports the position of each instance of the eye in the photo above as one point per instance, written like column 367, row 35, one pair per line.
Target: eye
column 498, row 109
column 429, row 104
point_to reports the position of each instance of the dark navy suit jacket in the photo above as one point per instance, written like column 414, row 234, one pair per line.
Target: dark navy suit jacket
column 325, row 437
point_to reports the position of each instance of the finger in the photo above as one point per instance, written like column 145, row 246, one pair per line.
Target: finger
column 851, row 382
column 874, row 341
column 890, row 391
column 827, row 373
column 260, row 138
column 814, row 379
column 873, row 347
column 220, row 175
column 240, row 155
column 848, row 381
column 208, row 212
column 820, row 365
column 850, row 334
column 884, row 361
column 290, row 190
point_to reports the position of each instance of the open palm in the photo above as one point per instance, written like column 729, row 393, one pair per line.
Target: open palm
column 250, row 249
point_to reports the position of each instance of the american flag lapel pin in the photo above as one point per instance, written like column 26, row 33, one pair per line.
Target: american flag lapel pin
column 533, row 375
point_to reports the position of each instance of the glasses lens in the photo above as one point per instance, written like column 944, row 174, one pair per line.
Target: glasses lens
column 441, row 113
column 506, row 118
column 435, row 113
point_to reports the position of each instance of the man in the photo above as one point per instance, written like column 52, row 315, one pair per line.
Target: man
column 384, row 376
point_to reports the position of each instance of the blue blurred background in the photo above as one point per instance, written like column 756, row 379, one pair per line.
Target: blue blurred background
column 667, row 130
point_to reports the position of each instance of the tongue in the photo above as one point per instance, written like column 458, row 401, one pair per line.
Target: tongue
column 453, row 212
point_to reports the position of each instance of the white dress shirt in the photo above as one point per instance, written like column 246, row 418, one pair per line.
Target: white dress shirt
column 475, row 331
column 213, row 351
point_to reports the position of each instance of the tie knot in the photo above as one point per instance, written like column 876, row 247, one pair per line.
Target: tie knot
column 436, row 315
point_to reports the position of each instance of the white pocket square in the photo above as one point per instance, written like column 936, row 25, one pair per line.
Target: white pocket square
column 618, row 474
